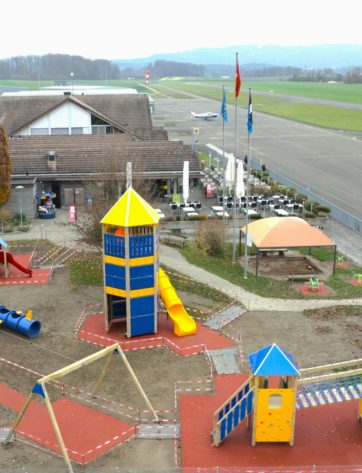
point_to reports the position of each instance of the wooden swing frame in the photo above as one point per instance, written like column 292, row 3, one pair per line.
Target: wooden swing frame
column 40, row 389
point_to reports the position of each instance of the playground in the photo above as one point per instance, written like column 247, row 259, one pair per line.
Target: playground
column 177, row 376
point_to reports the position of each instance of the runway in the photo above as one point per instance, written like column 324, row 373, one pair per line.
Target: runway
column 328, row 162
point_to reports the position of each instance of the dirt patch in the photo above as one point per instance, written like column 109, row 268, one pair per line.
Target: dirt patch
column 310, row 341
column 281, row 266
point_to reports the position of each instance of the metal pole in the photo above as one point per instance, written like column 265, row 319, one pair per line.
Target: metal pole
column 19, row 189
column 129, row 175
column 235, row 166
column 247, row 211
column 21, row 211
column 223, row 156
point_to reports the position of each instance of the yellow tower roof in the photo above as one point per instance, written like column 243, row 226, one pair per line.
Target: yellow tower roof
column 131, row 211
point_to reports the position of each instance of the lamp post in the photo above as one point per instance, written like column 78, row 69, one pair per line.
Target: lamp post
column 20, row 188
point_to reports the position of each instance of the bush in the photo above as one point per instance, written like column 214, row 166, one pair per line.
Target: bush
column 311, row 205
column 291, row 191
column 5, row 217
column 18, row 218
column 308, row 214
column 324, row 209
column 210, row 239
column 282, row 189
column 300, row 198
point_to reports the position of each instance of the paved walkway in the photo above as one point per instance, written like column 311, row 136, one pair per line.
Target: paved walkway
column 173, row 259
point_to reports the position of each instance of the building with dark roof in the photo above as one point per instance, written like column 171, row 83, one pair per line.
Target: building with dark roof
column 65, row 144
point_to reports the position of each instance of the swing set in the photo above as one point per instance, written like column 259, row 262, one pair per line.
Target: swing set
column 40, row 389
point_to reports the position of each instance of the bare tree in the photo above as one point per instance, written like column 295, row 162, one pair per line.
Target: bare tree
column 106, row 191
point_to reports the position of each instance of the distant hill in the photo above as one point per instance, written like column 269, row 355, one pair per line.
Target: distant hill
column 336, row 56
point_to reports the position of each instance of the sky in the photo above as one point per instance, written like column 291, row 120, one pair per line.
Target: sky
column 116, row 29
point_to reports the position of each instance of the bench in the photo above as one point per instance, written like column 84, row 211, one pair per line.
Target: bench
column 301, row 277
column 177, row 239
column 280, row 251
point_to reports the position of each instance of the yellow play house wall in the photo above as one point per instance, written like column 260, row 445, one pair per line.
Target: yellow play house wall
column 274, row 415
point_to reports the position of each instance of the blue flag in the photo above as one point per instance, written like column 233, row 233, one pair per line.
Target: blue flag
column 250, row 115
column 223, row 111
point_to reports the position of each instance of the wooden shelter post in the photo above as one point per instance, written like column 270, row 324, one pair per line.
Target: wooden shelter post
column 257, row 262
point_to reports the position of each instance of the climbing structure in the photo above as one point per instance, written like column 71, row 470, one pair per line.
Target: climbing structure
column 130, row 262
column 277, row 387
column 273, row 408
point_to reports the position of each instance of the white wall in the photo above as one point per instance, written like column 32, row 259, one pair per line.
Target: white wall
column 68, row 115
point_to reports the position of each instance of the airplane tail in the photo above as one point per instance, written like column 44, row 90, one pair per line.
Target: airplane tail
column 193, row 114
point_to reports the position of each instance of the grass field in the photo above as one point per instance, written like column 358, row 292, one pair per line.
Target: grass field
column 264, row 93
column 327, row 116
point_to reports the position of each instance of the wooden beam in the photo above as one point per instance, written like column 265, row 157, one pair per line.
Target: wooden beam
column 331, row 366
column 19, row 417
column 104, row 372
column 57, row 432
column 330, row 376
column 138, row 384
column 78, row 364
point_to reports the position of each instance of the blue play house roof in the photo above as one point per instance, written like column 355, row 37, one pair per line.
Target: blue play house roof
column 273, row 361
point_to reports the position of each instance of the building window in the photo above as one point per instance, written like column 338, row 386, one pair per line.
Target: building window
column 39, row 131
column 59, row 131
column 77, row 130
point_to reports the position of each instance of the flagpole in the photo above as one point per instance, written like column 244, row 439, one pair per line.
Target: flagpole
column 234, row 197
column 247, row 211
column 250, row 124
column 237, row 89
column 224, row 115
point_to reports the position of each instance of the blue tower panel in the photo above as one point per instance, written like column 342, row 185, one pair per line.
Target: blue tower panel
column 142, row 315
column 142, row 271
column 114, row 245
column 115, row 270
column 140, row 246
column 142, row 277
column 117, row 283
column 142, row 325
column 115, row 276
column 142, row 283
column 142, row 306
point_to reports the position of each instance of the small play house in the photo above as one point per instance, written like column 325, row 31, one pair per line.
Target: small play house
column 275, row 386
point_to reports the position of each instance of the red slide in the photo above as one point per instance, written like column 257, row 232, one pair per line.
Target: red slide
column 10, row 259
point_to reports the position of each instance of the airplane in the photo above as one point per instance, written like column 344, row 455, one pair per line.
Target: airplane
column 205, row 116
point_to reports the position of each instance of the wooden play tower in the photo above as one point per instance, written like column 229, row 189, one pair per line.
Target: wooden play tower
column 130, row 263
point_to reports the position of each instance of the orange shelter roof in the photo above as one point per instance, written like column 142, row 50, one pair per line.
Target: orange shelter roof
column 289, row 232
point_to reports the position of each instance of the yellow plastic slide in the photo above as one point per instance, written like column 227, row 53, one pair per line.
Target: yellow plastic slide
column 184, row 324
